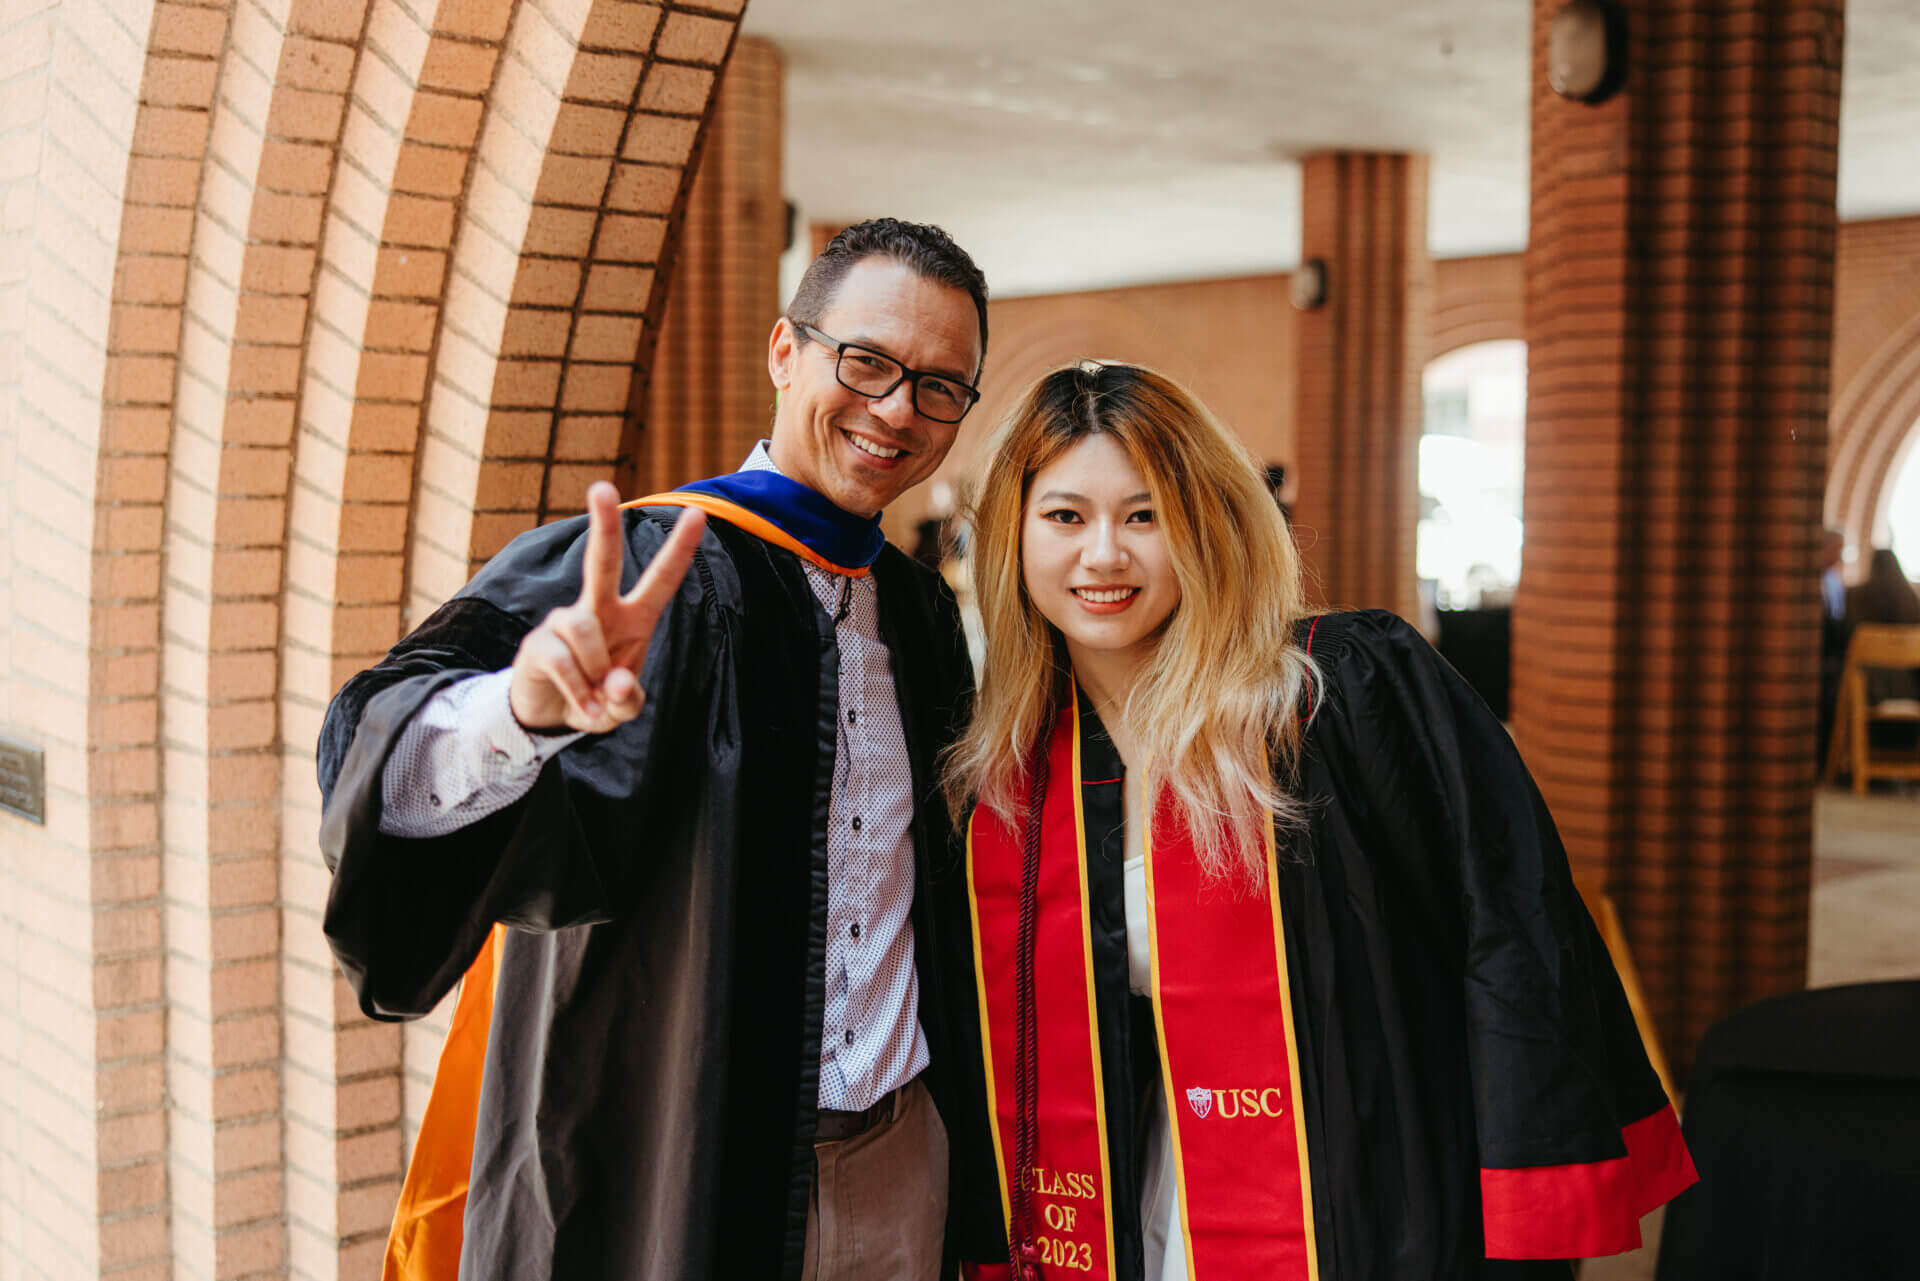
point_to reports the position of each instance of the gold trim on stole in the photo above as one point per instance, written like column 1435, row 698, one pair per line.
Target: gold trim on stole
column 986, row 1031
column 1293, row 1054
column 1168, row 1097
column 1093, row 1012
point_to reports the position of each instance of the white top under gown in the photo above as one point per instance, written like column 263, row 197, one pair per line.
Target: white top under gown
column 1159, row 1195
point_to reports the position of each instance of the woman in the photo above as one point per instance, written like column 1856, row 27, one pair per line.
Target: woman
column 1338, row 1010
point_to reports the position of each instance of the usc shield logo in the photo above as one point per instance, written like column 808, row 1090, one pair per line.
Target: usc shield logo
column 1200, row 1099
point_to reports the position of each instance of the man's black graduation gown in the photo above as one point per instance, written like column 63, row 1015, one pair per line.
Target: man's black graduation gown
column 651, row 1079
column 1454, row 1005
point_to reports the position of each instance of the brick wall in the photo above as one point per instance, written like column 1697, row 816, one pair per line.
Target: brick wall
column 1876, row 371
column 81, row 1022
column 1230, row 341
column 707, row 397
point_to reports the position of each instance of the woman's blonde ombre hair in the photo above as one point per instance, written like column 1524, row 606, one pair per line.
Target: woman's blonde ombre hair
column 1217, row 708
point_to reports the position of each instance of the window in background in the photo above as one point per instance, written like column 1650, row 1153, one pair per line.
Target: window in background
column 1472, row 460
column 1903, row 506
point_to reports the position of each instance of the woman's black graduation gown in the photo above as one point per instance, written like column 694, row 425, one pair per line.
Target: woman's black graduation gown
column 1455, row 1007
column 653, row 1067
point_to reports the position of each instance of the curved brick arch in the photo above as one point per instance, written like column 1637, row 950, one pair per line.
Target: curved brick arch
column 243, row 242
column 1871, row 421
column 556, row 272
column 273, row 145
column 1477, row 300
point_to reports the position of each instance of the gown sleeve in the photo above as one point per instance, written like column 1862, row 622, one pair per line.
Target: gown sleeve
column 406, row 917
column 1576, row 1137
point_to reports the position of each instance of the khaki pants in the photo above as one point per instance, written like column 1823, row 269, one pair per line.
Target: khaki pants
column 878, row 1208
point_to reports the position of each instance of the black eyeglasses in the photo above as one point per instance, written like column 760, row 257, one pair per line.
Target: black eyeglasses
column 875, row 374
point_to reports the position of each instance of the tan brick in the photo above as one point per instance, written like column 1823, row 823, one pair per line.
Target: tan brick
column 179, row 82
column 430, row 170
column 245, row 1251
column 644, row 188
column 546, row 282
column 458, row 67
column 531, row 332
column 584, row 436
column 266, row 319
column 612, row 24
column 617, row 288
column 601, row 388
column 385, row 376
column 676, row 90
column 301, row 167
column 180, row 28
column 305, row 115
column 247, row 1038
column 160, row 180
column 167, row 131
column 285, row 219
column 126, row 1241
column 605, row 338
column 583, row 130
column 604, row 78
column 409, row 273
column 271, row 269
column 316, row 65
column 665, row 140
column 690, row 38
column 419, row 220
column 560, row 233
column 132, row 1187
column 328, row 19
column 446, row 119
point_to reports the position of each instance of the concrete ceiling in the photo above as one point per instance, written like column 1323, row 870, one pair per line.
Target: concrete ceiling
column 1073, row 144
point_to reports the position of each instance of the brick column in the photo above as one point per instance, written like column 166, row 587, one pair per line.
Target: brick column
column 1357, row 407
column 819, row 234
column 1666, row 645
column 708, row 398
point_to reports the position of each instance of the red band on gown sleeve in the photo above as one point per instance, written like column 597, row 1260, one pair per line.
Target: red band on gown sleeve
column 986, row 1272
column 1590, row 1209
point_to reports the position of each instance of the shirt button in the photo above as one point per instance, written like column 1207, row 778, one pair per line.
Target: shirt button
column 855, row 929
column 852, row 717
column 849, row 1036
column 435, row 798
column 856, row 820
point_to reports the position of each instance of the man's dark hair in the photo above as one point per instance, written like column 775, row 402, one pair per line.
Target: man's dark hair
column 923, row 247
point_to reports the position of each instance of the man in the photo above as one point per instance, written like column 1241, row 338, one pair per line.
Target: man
column 733, row 1028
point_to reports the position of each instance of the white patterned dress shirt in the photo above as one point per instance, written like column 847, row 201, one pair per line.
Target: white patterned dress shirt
column 464, row 756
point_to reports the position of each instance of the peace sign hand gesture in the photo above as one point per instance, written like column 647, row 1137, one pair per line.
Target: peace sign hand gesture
column 579, row 668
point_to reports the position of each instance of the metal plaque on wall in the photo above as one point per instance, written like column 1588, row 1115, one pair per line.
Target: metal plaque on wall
column 23, row 780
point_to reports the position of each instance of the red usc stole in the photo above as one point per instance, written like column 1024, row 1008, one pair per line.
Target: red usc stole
column 1225, row 1023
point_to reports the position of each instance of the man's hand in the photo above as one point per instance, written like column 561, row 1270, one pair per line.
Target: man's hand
column 579, row 668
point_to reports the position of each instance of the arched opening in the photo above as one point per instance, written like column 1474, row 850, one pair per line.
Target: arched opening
column 1472, row 464
column 1902, row 510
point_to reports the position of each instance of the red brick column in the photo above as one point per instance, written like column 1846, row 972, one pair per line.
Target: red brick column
column 708, row 398
column 1357, row 419
column 820, row 234
column 1666, row 648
